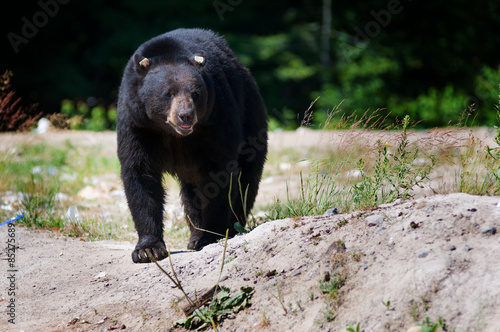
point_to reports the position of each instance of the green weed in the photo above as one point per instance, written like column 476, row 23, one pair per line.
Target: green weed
column 351, row 328
column 37, row 204
column 332, row 287
column 428, row 326
column 222, row 305
column 394, row 174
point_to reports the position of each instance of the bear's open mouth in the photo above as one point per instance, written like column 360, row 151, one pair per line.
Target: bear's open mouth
column 183, row 129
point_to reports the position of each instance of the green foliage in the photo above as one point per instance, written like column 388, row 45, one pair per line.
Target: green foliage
column 493, row 153
column 430, row 76
column 317, row 193
column 332, row 286
column 39, row 172
column 222, row 305
column 428, row 326
column 394, row 174
column 351, row 328
column 82, row 116
column 38, row 204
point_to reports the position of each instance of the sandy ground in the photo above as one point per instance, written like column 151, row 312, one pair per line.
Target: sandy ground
column 435, row 256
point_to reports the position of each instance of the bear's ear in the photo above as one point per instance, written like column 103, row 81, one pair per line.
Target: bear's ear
column 199, row 59
column 141, row 64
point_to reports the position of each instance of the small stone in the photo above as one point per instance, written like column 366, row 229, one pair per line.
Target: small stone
column 100, row 275
column 423, row 254
column 355, row 173
column 296, row 273
column 375, row 220
column 331, row 212
column 449, row 247
column 382, row 229
column 269, row 284
column 467, row 248
column 326, row 275
column 414, row 225
column 488, row 230
column 397, row 201
column 364, row 267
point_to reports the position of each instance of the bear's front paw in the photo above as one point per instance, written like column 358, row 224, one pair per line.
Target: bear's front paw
column 198, row 242
column 156, row 248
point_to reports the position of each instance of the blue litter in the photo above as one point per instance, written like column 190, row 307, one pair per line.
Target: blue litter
column 12, row 220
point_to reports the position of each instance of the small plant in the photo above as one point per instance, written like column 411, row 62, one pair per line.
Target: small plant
column 317, row 192
column 493, row 154
column 351, row 328
column 387, row 304
column 222, row 305
column 394, row 175
column 280, row 298
column 38, row 205
column 332, row 287
column 428, row 326
column 265, row 321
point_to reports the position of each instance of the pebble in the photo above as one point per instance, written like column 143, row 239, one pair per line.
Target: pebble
column 269, row 284
column 382, row 229
column 449, row 247
column 364, row 267
column 375, row 220
column 488, row 230
column 355, row 173
column 331, row 212
column 423, row 254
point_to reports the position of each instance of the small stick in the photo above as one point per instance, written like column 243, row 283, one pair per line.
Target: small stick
column 188, row 306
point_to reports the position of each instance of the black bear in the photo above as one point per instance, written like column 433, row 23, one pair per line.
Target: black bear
column 188, row 107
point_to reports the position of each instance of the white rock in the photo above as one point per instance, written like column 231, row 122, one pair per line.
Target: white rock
column 43, row 126
column 72, row 214
column 355, row 173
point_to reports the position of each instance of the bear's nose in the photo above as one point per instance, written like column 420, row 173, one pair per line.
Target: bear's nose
column 185, row 116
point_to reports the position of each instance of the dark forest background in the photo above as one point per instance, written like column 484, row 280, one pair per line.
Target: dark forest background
column 437, row 61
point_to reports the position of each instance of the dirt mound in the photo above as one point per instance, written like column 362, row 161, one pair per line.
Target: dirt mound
column 434, row 257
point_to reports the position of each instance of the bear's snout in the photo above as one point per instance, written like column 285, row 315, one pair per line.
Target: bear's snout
column 186, row 117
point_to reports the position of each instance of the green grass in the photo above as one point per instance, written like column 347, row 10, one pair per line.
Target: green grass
column 332, row 286
column 390, row 171
column 388, row 168
column 41, row 171
column 428, row 326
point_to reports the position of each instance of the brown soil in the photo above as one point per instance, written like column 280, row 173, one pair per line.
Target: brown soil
column 434, row 256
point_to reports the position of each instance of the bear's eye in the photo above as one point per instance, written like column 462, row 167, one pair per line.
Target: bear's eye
column 195, row 94
column 167, row 94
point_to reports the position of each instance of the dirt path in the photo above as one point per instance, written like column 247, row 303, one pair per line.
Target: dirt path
column 434, row 257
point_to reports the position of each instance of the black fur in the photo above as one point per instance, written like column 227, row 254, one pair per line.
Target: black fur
column 193, row 110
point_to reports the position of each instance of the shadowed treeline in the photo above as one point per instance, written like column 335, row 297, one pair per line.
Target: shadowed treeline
column 431, row 60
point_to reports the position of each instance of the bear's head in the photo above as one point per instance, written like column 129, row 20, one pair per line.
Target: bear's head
column 174, row 94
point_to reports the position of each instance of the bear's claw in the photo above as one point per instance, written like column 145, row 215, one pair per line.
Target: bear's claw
column 158, row 250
